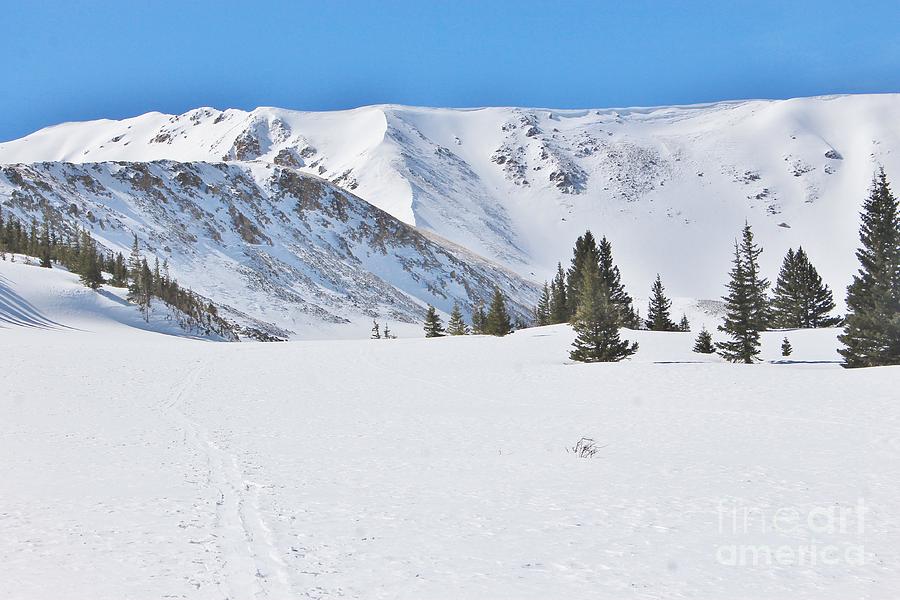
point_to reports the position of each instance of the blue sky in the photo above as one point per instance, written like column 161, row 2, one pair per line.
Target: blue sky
column 79, row 60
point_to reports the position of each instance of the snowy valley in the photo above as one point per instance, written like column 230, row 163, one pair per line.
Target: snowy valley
column 145, row 458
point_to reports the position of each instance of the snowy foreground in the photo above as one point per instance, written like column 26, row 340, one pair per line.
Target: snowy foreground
column 141, row 465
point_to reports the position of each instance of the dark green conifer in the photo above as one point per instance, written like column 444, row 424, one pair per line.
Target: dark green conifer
column 434, row 327
column 456, row 325
column 801, row 300
column 786, row 347
column 559, row 300
column 497, row 321
column 542, row 310
column 704, row 343
column 658, row 310
column 741, row 322
column 872, row 327
column 597, row 324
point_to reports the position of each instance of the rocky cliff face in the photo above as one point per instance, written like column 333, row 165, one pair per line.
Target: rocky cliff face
column 278, row 245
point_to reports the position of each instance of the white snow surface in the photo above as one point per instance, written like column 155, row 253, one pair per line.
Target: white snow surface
column 670, row 186
column 139, row 465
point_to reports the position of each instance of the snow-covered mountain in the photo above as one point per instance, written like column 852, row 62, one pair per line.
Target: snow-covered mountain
column 669, row 186
column 276, row 244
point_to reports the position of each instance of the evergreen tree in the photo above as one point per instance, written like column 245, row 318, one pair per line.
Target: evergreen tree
column 658, row 309
column 387, row 333
column 597, row 324
column 434, row 327
column 704, row 343
column 559, row 300
column 134, row 270
column 757, row 286
column 89, row 267
column 786, row 347
column 684, row 324
column 584, row 256
column 456, row 325
column 542, row 310
column 801, row 299
column 741, row 322
column 146, row 289
column 872, row 327
column 478, row 318
column 45, row 249
column 612, row 283
column 376, row 331
column 497, row 321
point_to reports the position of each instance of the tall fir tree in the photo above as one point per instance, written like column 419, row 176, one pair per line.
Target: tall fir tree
column 376, row 330
column 559, row 300
column 456, row 325
column 434, row 327
column 478, row 318
column 542, row 310
column 741, row 321
column 597, row 324
column 704, row 344
column 134, row 270
column 89, row 267
column 801, row 300
column 615, row 291
column 658, row 318
column 497, row 321
column 871, row 335
column 585, row 255
column 45, row 250
column 757, row 285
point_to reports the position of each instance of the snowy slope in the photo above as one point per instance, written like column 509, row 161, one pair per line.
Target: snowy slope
column 149, row 466
column 670, row 186
column 34, row 298
column 276, row 244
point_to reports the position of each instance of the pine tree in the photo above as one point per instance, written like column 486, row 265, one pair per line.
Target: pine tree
column 497, row 321
column 786, row 347
column 434, row 327
column 658, row 309
column 559, row 300
column 134, row 270
column 704, row 343
column 478, row 318
column 801, row 300
column 45, row 247
column 740, row 319
column 872, row 327
column 542, row 310
column 585, row 255
column 456, row 325
column 387, row 333
column 684, row 324
column 757, row 286
column 612, row 283
column 597, row 324
column 89, row 267
column 376, row 331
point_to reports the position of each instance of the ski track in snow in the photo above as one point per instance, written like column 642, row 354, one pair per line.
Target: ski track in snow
column 249, row 563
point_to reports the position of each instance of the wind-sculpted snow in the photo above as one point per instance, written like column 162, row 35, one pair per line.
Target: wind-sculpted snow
column 279, row 245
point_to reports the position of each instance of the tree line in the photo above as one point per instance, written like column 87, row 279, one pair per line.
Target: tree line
column 74, row 248
column 590, row 296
